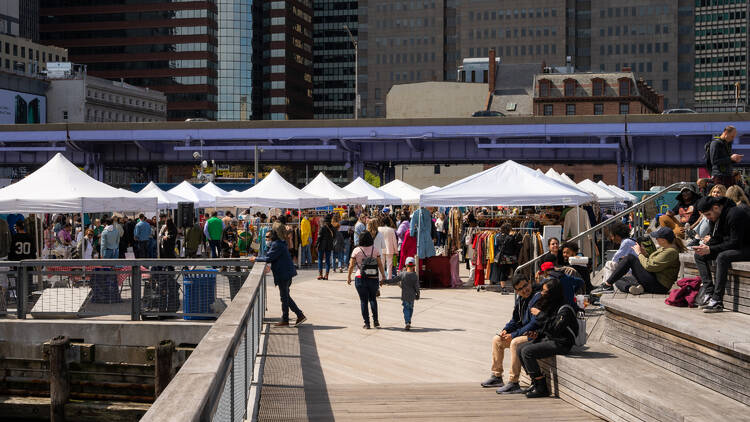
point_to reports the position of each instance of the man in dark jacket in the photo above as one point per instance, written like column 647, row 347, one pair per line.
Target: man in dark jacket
column 721, row 158
column 512, row 336
column 277, row 253
column 729, row 242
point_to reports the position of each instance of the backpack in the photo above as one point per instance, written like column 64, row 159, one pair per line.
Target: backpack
column 369, row 267
column 580, row 337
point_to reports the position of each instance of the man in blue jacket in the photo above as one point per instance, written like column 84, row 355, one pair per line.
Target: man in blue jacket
column 277, row 253
column 513, row 335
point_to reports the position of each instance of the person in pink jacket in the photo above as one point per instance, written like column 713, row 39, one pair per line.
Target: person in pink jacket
column 390, row 245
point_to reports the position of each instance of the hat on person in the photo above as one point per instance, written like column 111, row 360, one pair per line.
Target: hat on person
column 386, row 210
column 663, row 233
column 410, row 261
column 547, row 266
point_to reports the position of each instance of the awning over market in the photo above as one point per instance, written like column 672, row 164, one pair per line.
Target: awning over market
column 273, row 192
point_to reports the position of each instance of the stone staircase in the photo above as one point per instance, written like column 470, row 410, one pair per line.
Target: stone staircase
column 647, row 361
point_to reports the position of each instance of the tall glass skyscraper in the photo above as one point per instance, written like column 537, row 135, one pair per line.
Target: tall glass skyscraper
column 238, row 24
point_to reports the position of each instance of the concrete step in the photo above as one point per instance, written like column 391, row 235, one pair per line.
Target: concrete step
column 618, row 386
column 709, row 349
column 737, row 293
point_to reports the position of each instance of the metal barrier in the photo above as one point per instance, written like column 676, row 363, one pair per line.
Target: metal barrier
column 215, row 382
column 140, row 288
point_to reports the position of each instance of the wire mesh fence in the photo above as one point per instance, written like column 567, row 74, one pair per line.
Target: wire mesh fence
column 157, row 288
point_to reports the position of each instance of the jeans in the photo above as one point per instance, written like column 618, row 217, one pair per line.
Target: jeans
column 530, row 352
column 286, row 301
column 306, row 255
column 408, row 310
column 141, row 249
column 439, row 239
column 324, row 255
column 109, row 253
column 498, row 354
column 644, row 278
column 715, row 286
column 367, row 290
column 215, row 245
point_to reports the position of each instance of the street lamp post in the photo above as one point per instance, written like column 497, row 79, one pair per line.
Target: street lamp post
column 356, row 73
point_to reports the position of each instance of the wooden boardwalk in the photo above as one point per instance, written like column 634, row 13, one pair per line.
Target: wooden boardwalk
column 332, row 369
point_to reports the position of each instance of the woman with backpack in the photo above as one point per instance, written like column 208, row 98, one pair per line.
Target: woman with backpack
column 556, row 337
column 369, row 277
column 324, row 246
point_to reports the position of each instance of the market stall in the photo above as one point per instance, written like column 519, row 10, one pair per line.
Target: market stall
column 374, row 195
column 192, row 194
column 213, row 190
column 409, row 194
column 323, row 186
column 165, row 199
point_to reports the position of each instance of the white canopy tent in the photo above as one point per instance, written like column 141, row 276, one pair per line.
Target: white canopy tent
column 429, row 189
column 165, row 199
column 603, row 195
column 273, row 192
column 192, row 194
column 409, row 194
column 374, row 195
column 624, row 194
column 213, row 190
column 323, row 186
column 564, row 177
column 508, row 184
column 61, row 187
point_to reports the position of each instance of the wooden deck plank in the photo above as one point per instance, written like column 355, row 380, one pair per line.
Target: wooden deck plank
column 330, row 368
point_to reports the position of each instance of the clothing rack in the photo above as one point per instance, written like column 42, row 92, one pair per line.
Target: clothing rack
column 532, row 229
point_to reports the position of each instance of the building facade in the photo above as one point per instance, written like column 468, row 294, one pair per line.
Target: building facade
column 81, row 98
column 334, row 58
column 167, row 46
column 25, row 57
column 721, row 61
column 594, row 94
column 287, row 60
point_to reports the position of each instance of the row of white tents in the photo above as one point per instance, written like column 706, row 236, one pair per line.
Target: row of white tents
column 61, row 187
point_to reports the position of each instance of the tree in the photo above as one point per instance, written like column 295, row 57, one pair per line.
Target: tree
column 372, row 179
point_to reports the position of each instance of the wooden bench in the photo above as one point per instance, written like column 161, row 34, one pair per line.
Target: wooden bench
column 737, row 293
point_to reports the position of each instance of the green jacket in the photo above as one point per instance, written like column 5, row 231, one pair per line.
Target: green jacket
column 214, row 228
column 664, row 263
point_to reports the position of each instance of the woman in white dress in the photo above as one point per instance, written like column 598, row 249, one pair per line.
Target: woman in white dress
column 390, row 246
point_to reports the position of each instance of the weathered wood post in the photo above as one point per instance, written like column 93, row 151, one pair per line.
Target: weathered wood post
column 59, row 377
column 164, row 370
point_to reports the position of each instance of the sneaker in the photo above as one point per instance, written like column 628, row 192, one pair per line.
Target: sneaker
column 407, row 327
column 703, row 302
column 366, row 327
column 604, row 288
column 493, row 382
column 281, row 324
column 300, row 320
column 636, row 290
column 713, row 307
column 376, row 324
column 510, row 388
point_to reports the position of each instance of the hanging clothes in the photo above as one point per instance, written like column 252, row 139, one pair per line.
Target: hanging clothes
column 421, row 226
column 573, row 218
column 408, row 249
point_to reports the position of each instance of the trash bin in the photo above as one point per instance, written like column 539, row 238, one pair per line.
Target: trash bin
column 199, row 292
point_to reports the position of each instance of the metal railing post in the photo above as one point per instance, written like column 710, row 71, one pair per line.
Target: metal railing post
column 21, row 291
column 135, row 286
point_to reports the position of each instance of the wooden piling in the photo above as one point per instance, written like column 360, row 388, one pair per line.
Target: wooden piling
column 163, row 367
column 59, row 378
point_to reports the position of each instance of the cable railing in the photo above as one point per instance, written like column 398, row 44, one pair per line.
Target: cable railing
column 638, row 223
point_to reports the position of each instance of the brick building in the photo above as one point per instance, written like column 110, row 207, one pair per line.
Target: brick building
column 594, row 94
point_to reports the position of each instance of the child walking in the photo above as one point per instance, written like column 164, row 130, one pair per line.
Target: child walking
column 409, row 282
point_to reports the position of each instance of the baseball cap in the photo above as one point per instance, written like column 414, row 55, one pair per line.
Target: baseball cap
column 410, row 261
column 663, row 233
column 547, row 266
column 386, row 210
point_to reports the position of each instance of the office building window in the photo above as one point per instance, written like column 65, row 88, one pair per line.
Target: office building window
column 598, row 109
column 624, row 108
column 598, row 88
column 570, row 109
column 548, row 109
column 624, row 87
column 570, row 88
column 544, row 88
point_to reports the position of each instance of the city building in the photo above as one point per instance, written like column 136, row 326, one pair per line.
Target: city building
column 28, row 19
column 239, row 59
column 594, row 94
column 23, row 56
column 287, row 60
column 75, row 97
column 721, row 61
column 334, row 58
column 163, row 45
column 23, row 99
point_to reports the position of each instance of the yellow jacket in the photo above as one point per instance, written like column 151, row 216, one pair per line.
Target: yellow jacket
column 305, row 231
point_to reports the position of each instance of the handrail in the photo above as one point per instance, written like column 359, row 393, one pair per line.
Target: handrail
column 611, row 220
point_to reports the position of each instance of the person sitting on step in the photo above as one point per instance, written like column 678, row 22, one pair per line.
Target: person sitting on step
column 513, row 335
column 655, row 273
column 729, row 242
column 556, row 336
column 572, row 283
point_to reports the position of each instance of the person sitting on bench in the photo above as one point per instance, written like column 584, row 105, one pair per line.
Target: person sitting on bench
column 729, row 242
column 655, row 273
column 513, row 335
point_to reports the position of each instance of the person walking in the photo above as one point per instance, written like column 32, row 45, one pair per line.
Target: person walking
column 366, row 258
column 168, row 239
column 305, row 241
column 324, row 246
column 409, row 282
column 390, row 245
column 141, row 235
column 110, row 240
column 213, row 229
column 282, row 267
column 193, row 240
column 719, row 158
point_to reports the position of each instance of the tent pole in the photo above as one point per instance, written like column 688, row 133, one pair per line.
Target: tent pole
column 299, row 248
column 578, row 224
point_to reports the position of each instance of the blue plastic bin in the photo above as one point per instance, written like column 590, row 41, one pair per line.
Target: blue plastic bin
column 199, row 292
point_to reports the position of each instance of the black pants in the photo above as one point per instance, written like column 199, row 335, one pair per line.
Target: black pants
column 368, row 290
column 715, row 286
column 287, row 302
column 530, row 352
column 646, row 279
column 141, row 249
